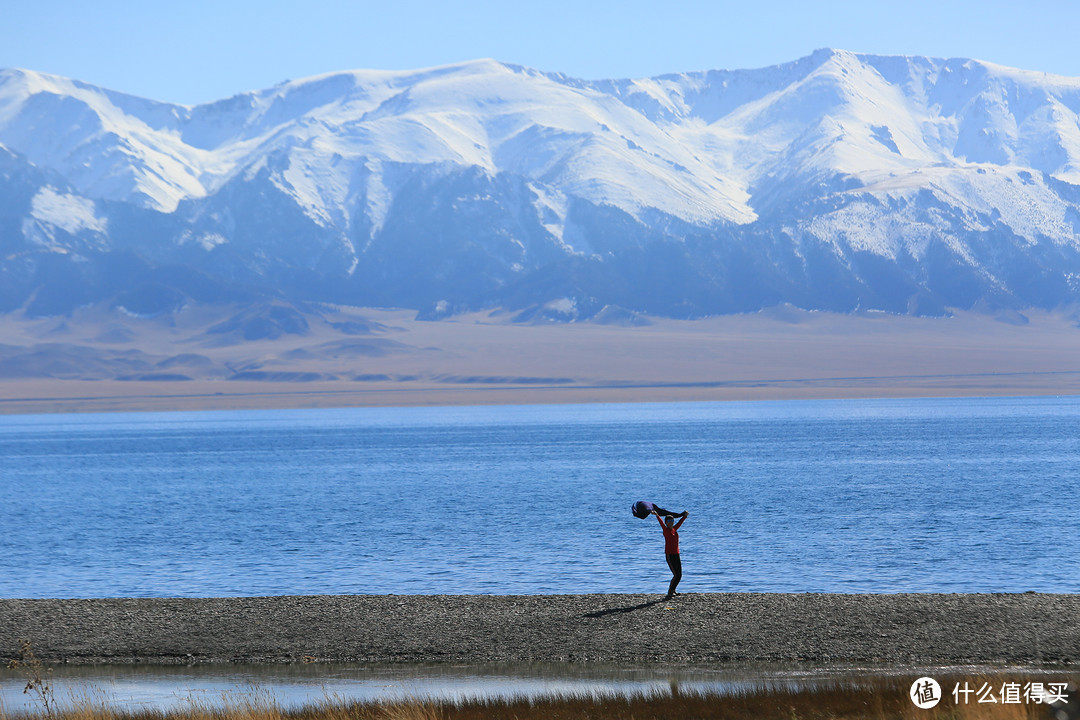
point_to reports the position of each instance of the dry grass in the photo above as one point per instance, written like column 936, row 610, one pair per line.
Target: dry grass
column 37, row 677
column 862, row 699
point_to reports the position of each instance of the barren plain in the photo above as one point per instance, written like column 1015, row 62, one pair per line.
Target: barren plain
column 279, row 357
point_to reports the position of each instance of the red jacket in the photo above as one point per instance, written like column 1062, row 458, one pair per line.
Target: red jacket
column 671, row 536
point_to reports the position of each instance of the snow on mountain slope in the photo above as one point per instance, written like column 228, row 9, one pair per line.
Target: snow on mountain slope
column 693, row 146
column 107, row 145
column 497, row 173
column 486, row 115
column 866, row 116
column 482, row 114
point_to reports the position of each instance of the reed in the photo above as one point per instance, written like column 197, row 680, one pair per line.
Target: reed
column 37, row 676
column 843, row 699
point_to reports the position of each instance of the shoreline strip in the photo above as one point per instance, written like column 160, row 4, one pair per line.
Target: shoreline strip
column 954, row 629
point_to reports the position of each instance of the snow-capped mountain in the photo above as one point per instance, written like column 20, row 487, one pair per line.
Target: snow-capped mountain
column 839, row 181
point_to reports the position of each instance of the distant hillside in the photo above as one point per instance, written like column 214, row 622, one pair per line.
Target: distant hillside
column 840, row 181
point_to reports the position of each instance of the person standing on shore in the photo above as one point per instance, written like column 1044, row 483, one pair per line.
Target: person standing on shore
column 671, row 548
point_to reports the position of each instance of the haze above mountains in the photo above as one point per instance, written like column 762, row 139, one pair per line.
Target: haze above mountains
column 838, row 182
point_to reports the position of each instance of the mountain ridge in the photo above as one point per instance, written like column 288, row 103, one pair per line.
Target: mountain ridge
column 839, row 181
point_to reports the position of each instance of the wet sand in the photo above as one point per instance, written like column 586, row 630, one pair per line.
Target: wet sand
column 696, row 628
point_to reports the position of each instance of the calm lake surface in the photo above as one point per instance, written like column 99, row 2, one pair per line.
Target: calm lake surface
column 953, row 495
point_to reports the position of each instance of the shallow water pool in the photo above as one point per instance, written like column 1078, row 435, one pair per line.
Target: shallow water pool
column 134, row 687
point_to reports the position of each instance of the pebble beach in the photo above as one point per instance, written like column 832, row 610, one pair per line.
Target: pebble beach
column 909, row 629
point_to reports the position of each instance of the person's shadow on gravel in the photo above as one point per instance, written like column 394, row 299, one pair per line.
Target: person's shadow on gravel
column 631, row 608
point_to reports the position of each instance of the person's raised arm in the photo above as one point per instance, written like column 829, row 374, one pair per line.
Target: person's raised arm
column 684, row 516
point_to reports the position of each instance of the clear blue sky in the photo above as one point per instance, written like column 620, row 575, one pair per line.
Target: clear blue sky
column 200, row 50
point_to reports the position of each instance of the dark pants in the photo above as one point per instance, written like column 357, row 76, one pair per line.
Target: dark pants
column 674, row 561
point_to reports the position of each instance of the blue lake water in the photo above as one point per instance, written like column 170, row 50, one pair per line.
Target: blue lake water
column 951, row 495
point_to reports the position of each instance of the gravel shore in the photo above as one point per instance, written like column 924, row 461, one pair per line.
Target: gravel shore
column 694, row 628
